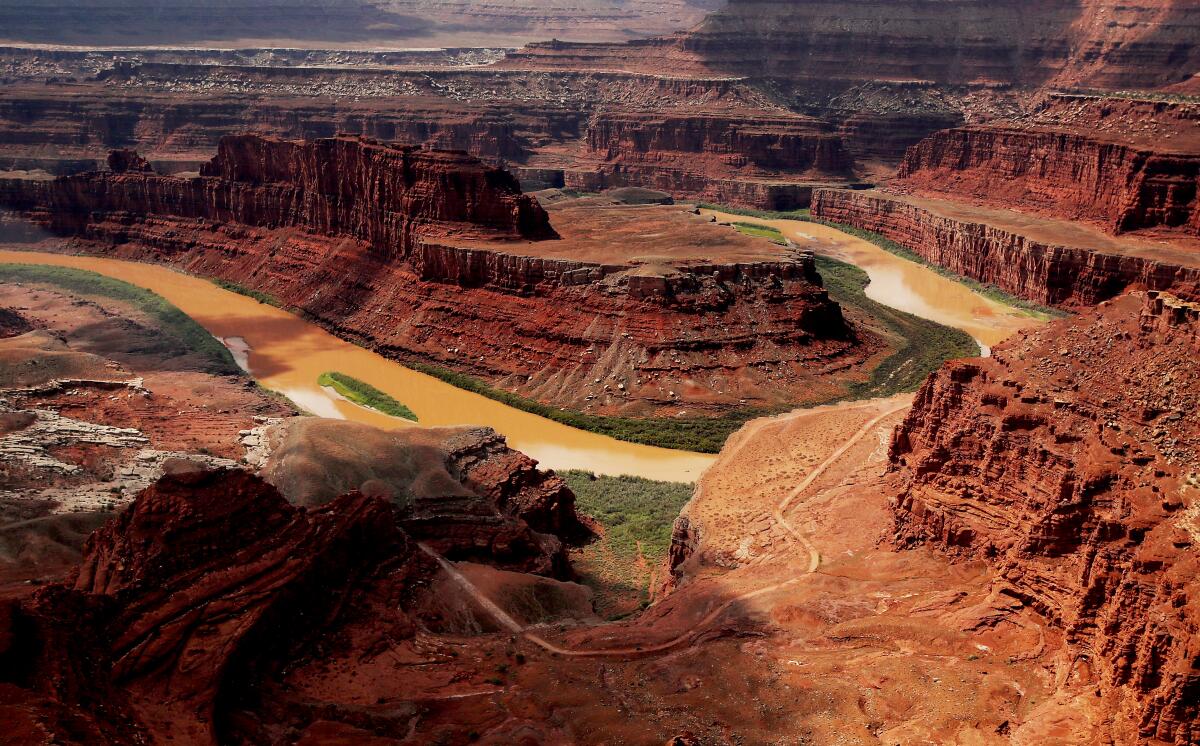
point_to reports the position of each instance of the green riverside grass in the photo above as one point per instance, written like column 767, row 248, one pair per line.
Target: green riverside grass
column 170, row 319
column 774, row 235
column 697, row 434
column 925, row 345
column 258, row 295
column 361, row 392
column 801, row 214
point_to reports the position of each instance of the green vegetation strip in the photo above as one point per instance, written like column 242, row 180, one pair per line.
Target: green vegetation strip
column 174, row 322
column 261, row 297
column 925, row 344
column 985, row 289
column 633, row 511
column 361, row 392
column 774, row 235
column 698, row 434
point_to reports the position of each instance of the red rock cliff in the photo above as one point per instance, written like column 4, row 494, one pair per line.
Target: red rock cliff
column 385, row 196
column 1069, row 461
column 1064, row 174
column 1004, row 250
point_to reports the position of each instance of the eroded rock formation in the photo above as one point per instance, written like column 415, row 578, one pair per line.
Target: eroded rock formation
column 379, row 243
column 1069, row 462
column 1051, row 262
column 182, row 597
column 461, row 490
column 1144, row 173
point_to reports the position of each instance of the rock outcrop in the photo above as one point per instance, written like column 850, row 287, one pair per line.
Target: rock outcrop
column 207, row 582
column 1053, row 263
column 1071, row 175
column 1069, row 462
column 461, row 490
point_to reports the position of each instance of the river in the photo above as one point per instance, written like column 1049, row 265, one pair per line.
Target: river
column 905, row 285
column 287, row 354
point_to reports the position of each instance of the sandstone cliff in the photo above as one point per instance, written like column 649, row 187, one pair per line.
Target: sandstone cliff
column 1064, row 174
column 1069, row 462
column 1051, row 263
column 381, row 195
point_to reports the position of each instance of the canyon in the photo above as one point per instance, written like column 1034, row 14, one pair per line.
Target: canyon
column 867, row 533
column 379, row 243
column 703, row 232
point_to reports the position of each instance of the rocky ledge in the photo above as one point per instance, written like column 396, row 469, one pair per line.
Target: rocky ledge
column 1052, row 262
column 1070, row 461
column 1120, row 186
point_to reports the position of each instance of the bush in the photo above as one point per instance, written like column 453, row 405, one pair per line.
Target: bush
column 634, row 511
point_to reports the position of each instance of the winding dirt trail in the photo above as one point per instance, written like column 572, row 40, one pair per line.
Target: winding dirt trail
column 506, row 621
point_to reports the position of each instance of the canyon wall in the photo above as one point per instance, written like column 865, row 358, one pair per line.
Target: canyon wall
column 1069, row 175
column 389, row 272
column 382, row 195
column 1101, row 43
column 1014, row 259
column 769, row 143
column 1070, row 462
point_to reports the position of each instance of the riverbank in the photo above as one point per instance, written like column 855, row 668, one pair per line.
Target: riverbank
column 287, row 354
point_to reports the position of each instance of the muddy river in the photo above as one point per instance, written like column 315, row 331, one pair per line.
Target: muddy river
column 906, row 285
column 287, row 354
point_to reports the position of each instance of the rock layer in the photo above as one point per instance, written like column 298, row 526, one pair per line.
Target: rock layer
column 1064, row 174
column 1069, row 462
column 1053, row 265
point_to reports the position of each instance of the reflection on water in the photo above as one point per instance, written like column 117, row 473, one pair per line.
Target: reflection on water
column 287, row 354
column 906, row 285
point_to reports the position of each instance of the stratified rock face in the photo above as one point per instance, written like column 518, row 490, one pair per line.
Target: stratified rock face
column 1069, row 461
column 1065, row 174
column 770, row 144
column 382, row 195
column 766, row 160
column 1102, row 43
column 206, row 581
column 1033, row 264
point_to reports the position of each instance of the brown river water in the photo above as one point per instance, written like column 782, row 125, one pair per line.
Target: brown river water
column 906, row 285
column 286, row 354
